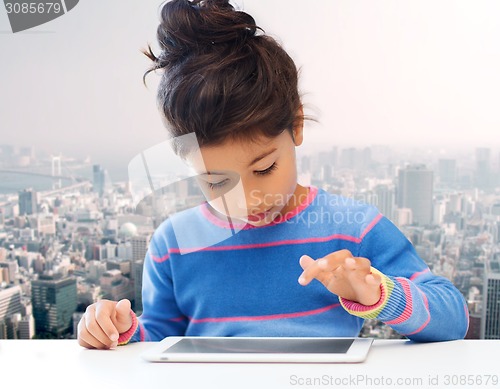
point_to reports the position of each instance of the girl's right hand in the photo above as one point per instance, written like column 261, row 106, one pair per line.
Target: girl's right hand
column 103, row 322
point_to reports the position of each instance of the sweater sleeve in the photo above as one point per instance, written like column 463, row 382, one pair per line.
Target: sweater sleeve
column 161, row 316
column 414, row 302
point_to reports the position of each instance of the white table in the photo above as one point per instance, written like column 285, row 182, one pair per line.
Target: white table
column 64, row 364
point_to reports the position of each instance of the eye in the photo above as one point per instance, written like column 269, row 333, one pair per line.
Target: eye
column 216, row 185
column 266, row 171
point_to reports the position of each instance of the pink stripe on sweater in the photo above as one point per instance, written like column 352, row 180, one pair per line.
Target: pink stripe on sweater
column 270, row 244
column 421, row 327
column 312, row 194
column 371, row 225
column 265, row 317
column 418, row 274
column 313, row 191
column 354, row 306
column 160, row 259
column 405, row 315
column 426, row 303
column 177, row 319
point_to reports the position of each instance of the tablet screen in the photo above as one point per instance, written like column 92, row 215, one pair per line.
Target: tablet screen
column 262, row 346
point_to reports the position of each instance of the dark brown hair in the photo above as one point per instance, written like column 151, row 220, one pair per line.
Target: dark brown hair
column 222, row 77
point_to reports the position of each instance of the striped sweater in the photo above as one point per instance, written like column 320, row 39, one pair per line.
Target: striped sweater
column 206, row 277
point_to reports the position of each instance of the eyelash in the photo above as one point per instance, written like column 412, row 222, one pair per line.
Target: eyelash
column 264, row 172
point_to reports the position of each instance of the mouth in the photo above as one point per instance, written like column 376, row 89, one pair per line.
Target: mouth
column 259, row 216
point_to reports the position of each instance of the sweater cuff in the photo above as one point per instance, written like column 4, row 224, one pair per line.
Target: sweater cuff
column 370, row 311
column 126, row 336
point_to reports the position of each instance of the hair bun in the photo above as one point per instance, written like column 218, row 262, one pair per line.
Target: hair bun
column 198, row 25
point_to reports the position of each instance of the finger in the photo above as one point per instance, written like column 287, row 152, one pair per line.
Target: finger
column 357, row 271
column 80, row 330
column 86, row 339
column 333, row 260
column 310, row 271
column 315, row 271
column 122, row 319
column 94, row 328
column 322, row 268
column 305, row 261
column 350, row 264
column 103, row 314
column 84, row 344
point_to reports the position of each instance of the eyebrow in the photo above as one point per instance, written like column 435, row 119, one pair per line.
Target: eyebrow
column 262, row 156
column 254, row 161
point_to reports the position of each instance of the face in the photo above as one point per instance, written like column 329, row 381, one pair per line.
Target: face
column 253, row 182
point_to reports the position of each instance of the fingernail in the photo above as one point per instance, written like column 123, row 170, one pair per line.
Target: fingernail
column 350, row 261
column 302, row 280
column 114, row 337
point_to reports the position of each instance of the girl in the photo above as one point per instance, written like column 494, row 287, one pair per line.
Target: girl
column 235, row 90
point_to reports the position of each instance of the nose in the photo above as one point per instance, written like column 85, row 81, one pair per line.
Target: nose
column 254, row 199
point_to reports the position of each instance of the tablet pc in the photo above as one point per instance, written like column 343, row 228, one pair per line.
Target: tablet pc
column 259, row 349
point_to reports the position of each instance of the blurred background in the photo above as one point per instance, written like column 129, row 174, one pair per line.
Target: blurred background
column 406, row 95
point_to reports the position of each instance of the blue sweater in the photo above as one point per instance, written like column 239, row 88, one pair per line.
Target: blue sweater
column 245, row 282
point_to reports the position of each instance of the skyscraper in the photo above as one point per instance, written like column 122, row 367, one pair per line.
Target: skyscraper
column 10, row 302
column 139, row 248
column 54, row 301
column 415, row 191
column 483, row 178
column 99, row 179
column 385, row 200
column 490, row 324
column 447, row 172
column 28, row 203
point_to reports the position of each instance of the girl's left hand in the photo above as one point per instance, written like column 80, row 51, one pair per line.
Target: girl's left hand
column 344, row 275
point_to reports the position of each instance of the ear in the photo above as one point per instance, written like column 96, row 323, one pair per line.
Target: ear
column 298, row 129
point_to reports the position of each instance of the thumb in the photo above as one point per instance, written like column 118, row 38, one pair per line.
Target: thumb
column 122, row 318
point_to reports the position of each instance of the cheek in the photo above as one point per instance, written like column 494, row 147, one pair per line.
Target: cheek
column 232, row 202
column 280, row 189
column 285, row 182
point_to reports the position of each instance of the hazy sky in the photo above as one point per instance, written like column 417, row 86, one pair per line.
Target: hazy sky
column 373, row 72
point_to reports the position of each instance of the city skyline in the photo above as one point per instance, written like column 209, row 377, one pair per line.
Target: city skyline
column 90, row 235
column 117, row 171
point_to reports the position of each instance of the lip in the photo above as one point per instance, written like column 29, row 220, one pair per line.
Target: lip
column 259, row 216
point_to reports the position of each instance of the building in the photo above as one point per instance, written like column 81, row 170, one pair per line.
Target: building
column 482, row 174
column 10, row 302
column 139, row 248
column 115, row 286
column 474, row 330
column 447, row 172
column 28, row 202
column 99, row 179
column 54, row 300
column 11, row 321
column 490, row 322
column 124, row 266
column 384, row 199
column 402, row 217
column 8, row 271
column 415, row 191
